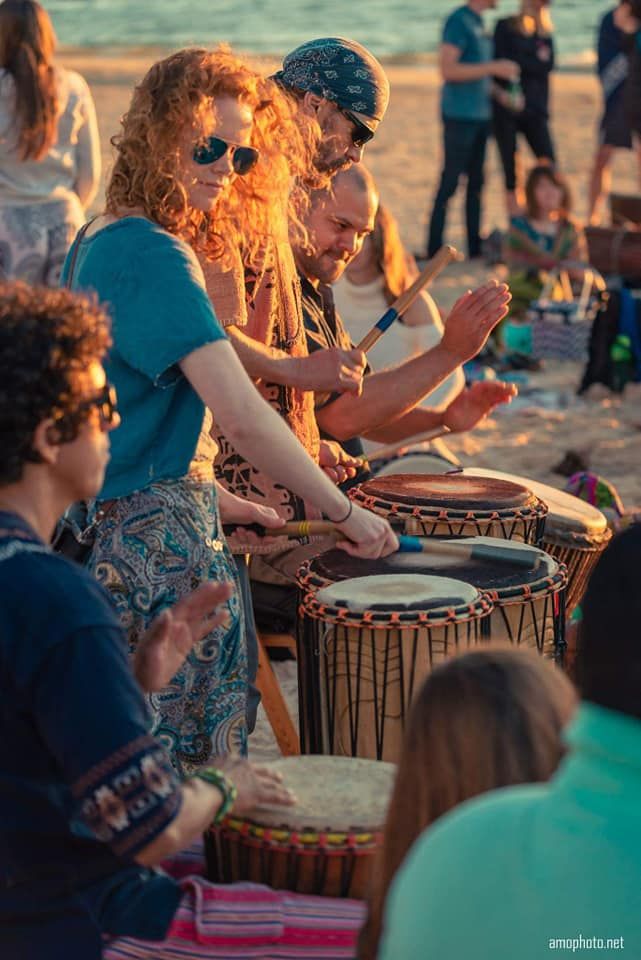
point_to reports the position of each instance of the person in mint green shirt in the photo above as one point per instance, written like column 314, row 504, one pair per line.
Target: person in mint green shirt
column 534, row 871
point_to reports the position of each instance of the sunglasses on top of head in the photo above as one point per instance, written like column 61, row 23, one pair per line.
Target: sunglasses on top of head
column 360, row 133
column 213, row 148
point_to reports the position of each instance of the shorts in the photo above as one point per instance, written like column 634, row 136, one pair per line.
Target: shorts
column 614, row 130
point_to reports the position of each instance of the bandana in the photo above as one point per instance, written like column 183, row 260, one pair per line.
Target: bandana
column 341, row 71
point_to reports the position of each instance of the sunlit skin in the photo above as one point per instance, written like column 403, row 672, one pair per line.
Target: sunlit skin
column 231, row 120
column 338, row 225
column 337, row 150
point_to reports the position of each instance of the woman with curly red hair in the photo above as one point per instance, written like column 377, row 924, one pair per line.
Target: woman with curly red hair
column 187, row 178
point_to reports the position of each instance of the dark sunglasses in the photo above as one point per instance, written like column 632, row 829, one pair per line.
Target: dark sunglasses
column 104, row 402
column 242, row 158
column 360, row 134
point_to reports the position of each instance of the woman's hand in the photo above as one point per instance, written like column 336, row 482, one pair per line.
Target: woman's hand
column 164, row 647
column 337, row 463
column 474, row 403
column 368, row 535
column 256, row 786
column 472, row 319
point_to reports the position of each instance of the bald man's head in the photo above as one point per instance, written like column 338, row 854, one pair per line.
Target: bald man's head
column 339, row 219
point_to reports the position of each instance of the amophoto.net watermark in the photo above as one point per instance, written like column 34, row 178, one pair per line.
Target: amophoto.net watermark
column 575, row 944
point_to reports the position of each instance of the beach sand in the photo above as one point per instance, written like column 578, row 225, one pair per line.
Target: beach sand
column 405, row 158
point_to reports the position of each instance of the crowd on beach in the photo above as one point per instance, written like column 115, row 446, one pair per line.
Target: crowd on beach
column 176, row 381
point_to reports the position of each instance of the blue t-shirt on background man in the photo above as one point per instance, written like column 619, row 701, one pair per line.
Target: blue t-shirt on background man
column 153, row 287
column 464, row 29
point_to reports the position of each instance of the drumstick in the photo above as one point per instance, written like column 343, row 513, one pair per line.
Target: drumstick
column 436, row 265
column 388, row 451
column 467, row 550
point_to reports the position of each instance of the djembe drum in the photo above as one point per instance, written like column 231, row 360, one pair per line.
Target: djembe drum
column 455, row 505
column 364, row 647
column 529, row 602
column 323, row 845
column 575, row 533
column 413, row 461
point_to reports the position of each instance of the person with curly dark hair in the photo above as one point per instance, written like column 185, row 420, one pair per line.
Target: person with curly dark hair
column 89, row 801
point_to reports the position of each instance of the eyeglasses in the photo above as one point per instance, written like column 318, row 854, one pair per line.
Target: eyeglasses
column 105, row 403
column 360, row 134
column 242, row 158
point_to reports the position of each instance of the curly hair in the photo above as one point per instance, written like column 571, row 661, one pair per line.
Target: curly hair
column 176, row 95
column 47, row 337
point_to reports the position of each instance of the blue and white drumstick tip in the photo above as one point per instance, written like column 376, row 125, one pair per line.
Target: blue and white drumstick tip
column 387, row 320
column 468, row 550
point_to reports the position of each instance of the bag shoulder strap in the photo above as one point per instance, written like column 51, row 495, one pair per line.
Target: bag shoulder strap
column 74, row 251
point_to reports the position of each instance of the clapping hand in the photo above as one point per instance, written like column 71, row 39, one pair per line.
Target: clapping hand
column 474, row 403
column 472, row 319
column 163, row 649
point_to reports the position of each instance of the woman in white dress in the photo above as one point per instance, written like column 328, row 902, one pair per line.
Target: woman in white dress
column 49, row 148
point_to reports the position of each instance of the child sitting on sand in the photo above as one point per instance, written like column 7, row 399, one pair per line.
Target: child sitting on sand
column 543, row 239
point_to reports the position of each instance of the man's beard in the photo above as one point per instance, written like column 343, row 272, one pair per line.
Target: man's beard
column 324, row 160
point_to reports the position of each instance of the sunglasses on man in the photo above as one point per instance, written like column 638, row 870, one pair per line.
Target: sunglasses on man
column 360, row 133
column 242, row 158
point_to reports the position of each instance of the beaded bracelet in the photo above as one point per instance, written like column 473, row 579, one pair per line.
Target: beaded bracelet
column 228, row 789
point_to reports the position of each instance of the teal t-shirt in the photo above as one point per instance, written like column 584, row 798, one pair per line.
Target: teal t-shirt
column 536, row 871
column 471, row 100
column 153, row 288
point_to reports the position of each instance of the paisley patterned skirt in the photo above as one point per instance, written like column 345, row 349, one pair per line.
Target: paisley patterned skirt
column 152, row 548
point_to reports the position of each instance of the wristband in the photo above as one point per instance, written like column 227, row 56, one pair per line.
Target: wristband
column 228, row 790
column 347, row 515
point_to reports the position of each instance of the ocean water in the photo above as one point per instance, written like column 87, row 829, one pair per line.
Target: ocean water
column 404, row 29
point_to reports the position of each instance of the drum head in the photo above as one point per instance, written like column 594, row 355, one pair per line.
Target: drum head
column 400, row 591
column 414, row 463
column 454, row 490
column 332, row 793
column 567, row 514
column 336, row 565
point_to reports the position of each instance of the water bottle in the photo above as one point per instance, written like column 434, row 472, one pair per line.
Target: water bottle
column 622, row 362
column 515, row 96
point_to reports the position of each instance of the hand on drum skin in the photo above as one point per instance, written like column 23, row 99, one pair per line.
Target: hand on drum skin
column 162, row 650
column 369, row 535
column 472, row 319
column 337, row 463
column 255, row 785
column 474, row 403
column 335, row 370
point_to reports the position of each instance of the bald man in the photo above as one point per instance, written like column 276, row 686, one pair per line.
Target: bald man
column 338, row 221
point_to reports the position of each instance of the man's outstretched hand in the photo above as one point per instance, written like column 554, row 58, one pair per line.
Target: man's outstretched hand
column 169, row 639
column 475, row 403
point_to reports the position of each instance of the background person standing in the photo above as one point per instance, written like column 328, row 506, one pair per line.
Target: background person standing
column 527, row 39
column 49, row 148
column 467, row 68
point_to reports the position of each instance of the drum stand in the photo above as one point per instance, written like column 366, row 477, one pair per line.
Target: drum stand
column 272, row 696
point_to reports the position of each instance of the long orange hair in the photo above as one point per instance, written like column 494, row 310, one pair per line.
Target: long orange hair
column 397, row 266
column 27, row 45
column 490, row 718
column 176, row 95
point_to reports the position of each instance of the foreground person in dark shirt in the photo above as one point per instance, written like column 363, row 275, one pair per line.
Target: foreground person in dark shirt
column 89, row 802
